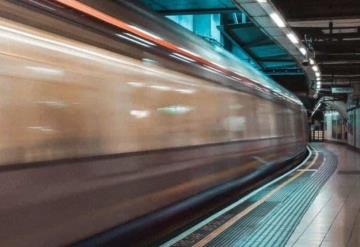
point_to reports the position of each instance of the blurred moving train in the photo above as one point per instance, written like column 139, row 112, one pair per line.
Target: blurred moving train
column 112, row 116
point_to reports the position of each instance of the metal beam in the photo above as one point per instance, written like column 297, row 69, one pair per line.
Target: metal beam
column 236, row 41
column 284, row 71
column 295, row 10
column 324, row 23
column 260, row 42
column 198, row 11
column 347, row 69
column 337, row 47
column 334, row 57
column 318, row 34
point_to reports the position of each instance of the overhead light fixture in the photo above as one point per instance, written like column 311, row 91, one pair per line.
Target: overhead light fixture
column 315, row 68
column 292, row 37
column 303, row 51
column 317, row 74
column 277, row 19
column 262, row 1
column 312, row 62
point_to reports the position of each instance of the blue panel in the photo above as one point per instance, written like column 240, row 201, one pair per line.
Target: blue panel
column 166, row 5
column 183, row 20
column 268, row 51
column 202, row 25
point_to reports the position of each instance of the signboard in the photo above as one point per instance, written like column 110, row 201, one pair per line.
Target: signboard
column 341, row 90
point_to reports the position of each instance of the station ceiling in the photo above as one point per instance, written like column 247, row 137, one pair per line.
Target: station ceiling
column 269, row 56
column 171, row 7
column 332, row 29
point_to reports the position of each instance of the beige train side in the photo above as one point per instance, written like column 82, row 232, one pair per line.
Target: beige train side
column 62, row 99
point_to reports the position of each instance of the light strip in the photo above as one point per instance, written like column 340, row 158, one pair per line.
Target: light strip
column 133, row 40
column 140, row 39
column 277, row 19
column 179, row 58
column 184, row 57
column 190, row 52
column 303, row 51
column 146, row 32
column 211, row 69
column 292, row 37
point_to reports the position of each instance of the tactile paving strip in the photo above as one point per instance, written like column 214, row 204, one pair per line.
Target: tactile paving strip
column 273, row 221
column 277, row 226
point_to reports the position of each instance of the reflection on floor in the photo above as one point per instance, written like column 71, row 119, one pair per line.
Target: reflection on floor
column 334, row 217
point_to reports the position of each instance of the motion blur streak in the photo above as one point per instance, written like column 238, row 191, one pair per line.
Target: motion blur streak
column 98, row 132
column 189, row 56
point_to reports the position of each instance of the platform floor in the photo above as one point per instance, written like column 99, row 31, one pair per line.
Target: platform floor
column 333, row 219
column 316, row 205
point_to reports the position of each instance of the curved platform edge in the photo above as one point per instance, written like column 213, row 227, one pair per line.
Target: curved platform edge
column 153, row 228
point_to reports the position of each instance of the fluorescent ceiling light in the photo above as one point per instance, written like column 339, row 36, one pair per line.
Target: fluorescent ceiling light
column 262, row 1
column 292, row 37
column 277, row 19
column 303, row 51
column 315, row 68
column 317, row 74
column 312, row 62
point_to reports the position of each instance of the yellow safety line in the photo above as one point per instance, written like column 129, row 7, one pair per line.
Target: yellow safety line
column 237, row 217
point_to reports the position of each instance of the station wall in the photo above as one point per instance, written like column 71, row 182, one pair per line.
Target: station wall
column 336, row 129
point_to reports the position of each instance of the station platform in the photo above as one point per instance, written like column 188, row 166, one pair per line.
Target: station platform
column 315, row 204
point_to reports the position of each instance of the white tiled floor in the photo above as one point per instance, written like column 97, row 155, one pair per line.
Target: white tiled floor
column 333, row 219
